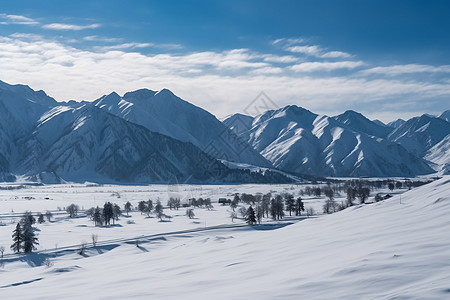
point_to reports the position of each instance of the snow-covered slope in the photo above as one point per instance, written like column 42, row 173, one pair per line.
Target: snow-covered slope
column 239, row 123
column 397, row 123
column 419, row 134
column 168, row 114
column 297, row 140
column 439, row 154
column 20, row 108
column 445, row 115
column 358, row 122
column 394, row 249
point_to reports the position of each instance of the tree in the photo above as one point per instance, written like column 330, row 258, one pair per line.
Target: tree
column 159, row 210
column 127, row 207
column 391, row 186
column 330, row 206
column 378, row 198
column 329, row 193
column 233, row 216
column 234, row 203
column 149, row 207
column 29, row 218
column 48, row 215
column 265, row 204
column 250, row 217
column 190, row 213
column 259, row 213
column 351, row 196
column 108, row 213
column 72, row 210
column 299, row 206
column 290, row 203
column 97, row 216
column 398, row 184
column 243, row 211
column 277, row 208
column 90, row 213
column 363, row 193
column 17, row 239
column 116, row 212
column 142, row 206
column 2, row 249
column 94, row 239
column 29, row 238
column 41, row 218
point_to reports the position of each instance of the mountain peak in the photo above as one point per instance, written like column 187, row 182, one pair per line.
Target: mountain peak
column 139, row 94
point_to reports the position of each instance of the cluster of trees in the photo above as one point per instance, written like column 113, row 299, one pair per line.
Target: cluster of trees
column 147, row 208
column 266, row 206
column 200, row 202
column 104, row 216
column 23, row 235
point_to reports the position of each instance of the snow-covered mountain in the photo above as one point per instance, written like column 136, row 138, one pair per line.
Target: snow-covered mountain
column 397, row 123
column 297, row 140
column 439, row 154
column 79, row 142
column 360, row 123
column 168, row 114
column 419, row 134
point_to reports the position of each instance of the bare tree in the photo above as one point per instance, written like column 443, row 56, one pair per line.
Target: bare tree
column 94, row 239
column 72, row 210
column 190, row 213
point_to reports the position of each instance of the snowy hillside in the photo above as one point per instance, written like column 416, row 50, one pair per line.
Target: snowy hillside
column 168, row 114
column 297, row 140
column 445, row 115
column 439, row 154
column 397, row 123
column 394, row 249
column 419, row 134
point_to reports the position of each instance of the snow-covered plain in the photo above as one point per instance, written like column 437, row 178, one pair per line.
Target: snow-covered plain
column 394, row 249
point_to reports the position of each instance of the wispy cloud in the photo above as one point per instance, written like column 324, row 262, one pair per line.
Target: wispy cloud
column 326, row 66
column 6, row 19
column 318, row 52
column 96, row 38
column 407, row 69
column 62, row 26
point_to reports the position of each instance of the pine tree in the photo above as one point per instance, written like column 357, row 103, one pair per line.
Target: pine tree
column 17, row 239
column 108, row 213
column 29, row 237
column 290, row 203
column 159, row 210
column 250, row 217
column 142, row 206
column 127, row 207
column 97, row 216
column 299, row 206
column 116, row 212
column 41, row 218
column 149, row 207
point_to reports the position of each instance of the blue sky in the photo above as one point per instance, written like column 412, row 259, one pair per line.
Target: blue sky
column 386, row 59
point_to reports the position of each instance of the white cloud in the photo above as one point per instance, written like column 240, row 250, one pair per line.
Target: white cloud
column 407, row 69
column 317, row 51
column 16, row 19
column 62, row 26
column 222, row 82
column 125, row 46
column 96, row 38
column 280, row 59
column 326, row 66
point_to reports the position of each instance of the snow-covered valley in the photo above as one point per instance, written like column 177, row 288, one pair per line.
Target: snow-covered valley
column 395, row 248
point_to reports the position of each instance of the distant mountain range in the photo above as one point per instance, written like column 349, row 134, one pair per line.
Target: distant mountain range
column 149, row 136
